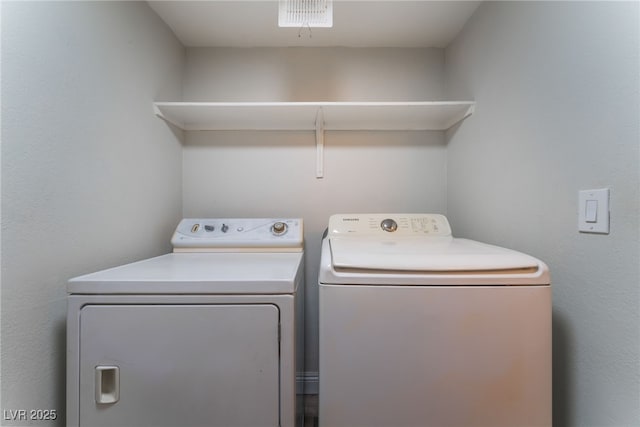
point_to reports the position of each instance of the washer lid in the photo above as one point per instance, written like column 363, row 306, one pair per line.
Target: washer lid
column 440, row 255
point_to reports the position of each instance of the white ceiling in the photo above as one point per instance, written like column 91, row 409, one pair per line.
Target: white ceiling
column 359, row 23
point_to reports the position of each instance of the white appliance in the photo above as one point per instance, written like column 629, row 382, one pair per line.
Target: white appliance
column 208, row 335
column 418, row 328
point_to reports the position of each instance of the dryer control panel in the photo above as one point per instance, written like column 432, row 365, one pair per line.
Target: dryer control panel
column 238, row 234
column 386, row 225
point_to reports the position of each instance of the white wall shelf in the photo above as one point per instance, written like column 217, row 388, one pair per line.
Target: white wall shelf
column 302, row 115
column 316, row 116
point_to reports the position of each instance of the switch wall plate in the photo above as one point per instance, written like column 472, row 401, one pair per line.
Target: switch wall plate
column 593, row 211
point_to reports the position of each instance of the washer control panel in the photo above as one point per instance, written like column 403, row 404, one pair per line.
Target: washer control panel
column 387, row 225
column 241, row 234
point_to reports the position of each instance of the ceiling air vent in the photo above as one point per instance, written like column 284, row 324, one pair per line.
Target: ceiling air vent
column 305, row 13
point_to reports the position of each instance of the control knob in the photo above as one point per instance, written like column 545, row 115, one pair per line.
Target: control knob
column 389, row 225
column 279, row 228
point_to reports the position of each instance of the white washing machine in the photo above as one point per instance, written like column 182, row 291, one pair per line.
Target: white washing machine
column 421, row 329
column 208, row 335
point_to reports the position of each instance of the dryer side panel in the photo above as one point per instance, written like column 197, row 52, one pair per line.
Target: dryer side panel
column 179, row 365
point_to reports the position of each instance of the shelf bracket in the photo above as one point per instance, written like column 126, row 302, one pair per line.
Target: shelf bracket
column 320, row 143
column 158, row 112
column 470, row 111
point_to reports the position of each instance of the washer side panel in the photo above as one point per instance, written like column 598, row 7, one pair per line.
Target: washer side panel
column 447, row 356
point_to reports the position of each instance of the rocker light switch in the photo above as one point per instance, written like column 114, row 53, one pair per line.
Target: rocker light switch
column 593, row 211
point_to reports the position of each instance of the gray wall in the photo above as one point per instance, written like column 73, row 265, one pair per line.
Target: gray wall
column 273, row 173
column 90, row 178
column 87, row 170
column 556, row 86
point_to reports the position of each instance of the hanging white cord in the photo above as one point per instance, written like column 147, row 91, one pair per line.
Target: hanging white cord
column 302, row 29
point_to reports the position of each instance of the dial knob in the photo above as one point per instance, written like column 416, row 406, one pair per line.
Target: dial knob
column 279, row 228
column 389, row 225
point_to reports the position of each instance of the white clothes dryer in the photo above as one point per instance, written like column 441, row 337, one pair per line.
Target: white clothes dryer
column 418, row 328
column 208, row 335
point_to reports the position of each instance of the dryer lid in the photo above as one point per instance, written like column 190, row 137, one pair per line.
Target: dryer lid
column 198, row 273
column 442, row 255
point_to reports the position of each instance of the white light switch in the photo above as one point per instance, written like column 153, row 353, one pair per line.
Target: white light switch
column 593, row 211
